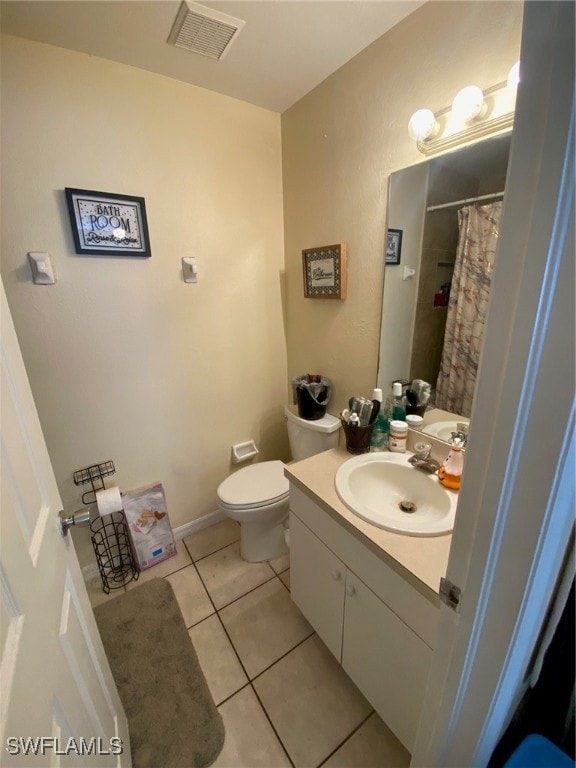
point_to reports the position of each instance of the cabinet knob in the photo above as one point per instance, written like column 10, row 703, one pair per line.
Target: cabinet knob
column 350, row 590
column 336, row 575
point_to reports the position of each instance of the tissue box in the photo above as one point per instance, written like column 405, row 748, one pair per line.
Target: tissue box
column 149, row 525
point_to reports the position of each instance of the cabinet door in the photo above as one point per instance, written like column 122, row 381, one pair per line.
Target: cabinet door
column 317, row 579
column 388, row 662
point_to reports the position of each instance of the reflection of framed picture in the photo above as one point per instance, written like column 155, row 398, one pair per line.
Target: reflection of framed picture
column 325, row 272
column 105, row 224
column 394, row 246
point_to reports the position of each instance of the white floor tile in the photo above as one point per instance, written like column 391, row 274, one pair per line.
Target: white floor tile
column 250, row 740
column 228, row 577
column 191, row 595
column 311, row 701
column 223, row 671
column 264, row 625
column 213, row 538
column 372, row 746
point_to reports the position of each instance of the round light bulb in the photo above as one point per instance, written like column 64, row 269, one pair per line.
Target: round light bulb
column 468, row 103
column 514, row 75
column 422, row 125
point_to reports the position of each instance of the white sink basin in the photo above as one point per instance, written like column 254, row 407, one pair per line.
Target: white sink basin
column 377, row 486
column 443, row 429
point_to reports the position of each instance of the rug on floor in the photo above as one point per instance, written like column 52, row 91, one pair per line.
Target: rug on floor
column 172, row 719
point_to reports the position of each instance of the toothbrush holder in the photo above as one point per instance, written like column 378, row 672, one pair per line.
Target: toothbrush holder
column 357, row 438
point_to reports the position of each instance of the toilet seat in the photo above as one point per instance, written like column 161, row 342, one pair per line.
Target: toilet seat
column 259, row 485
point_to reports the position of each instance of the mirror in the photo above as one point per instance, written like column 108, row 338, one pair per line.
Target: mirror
column 423, row 205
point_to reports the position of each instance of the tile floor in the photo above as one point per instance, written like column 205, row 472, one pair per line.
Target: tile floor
column 284, row 699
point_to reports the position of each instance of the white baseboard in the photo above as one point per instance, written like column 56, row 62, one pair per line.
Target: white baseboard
column 90, row 572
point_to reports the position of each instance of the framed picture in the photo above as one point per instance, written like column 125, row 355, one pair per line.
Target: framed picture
column 394, row 246
column 325, row 272
column 105, row 224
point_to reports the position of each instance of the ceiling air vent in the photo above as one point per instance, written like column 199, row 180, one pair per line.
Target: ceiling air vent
column 204, row 31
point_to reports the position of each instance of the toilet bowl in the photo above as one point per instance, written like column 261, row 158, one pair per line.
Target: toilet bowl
column 257, row 496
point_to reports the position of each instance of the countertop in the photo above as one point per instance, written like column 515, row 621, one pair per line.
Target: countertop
column 422, row 561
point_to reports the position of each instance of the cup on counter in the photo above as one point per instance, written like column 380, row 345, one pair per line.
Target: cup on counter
column 357, row 437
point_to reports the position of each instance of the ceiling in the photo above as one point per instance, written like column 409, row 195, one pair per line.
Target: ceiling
column 285, row 49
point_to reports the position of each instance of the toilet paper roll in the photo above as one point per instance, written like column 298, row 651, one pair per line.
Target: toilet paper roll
column 108, row 501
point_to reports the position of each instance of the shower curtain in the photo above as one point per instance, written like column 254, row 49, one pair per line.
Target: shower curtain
column 469, row 294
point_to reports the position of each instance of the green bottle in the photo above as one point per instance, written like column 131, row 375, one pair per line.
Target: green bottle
column 398, row 402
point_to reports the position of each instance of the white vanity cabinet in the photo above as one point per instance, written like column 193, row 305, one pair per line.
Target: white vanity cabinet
column 380, row 628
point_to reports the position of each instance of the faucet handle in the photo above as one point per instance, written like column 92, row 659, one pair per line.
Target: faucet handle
column 423, row 450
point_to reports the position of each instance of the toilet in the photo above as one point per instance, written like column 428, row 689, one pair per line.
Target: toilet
column 257, row 496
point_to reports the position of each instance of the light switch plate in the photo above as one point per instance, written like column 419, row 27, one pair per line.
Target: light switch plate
column 189, row 270
column 42, row 269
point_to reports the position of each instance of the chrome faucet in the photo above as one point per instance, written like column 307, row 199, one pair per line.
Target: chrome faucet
column 424, row 461
column 461, row 433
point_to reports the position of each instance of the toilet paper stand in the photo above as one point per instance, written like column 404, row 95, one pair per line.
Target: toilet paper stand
column 110, row 535
column 111, row 542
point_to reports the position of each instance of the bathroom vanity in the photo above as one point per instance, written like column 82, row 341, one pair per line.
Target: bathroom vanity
column 371, row 595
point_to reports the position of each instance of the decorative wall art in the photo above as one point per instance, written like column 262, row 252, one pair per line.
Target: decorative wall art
column 325, row 272
column 393, row 246
column 105, row 224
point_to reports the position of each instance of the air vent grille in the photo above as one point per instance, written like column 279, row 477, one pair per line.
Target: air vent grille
column 204, row 31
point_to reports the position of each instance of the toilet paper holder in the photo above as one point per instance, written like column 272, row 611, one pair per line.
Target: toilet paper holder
column 94, row 475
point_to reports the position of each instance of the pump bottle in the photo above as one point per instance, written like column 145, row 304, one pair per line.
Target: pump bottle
column 450, row 473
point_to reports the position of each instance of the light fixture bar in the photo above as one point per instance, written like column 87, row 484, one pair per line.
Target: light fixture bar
column 478, row 131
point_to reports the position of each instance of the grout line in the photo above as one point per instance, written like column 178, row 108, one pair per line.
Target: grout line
column 209, row 554
column 249, row 683
column 346, row 739
column 253, row 589
column 272, row 725
column 300, row 642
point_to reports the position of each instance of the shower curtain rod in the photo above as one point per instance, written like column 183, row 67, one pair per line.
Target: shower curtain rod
column 493, row 196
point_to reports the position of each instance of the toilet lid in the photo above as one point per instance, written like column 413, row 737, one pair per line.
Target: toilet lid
column 254, row 485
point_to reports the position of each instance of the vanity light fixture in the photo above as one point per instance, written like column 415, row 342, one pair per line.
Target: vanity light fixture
column 468, row 103
column 465, row 119
column 423, row 125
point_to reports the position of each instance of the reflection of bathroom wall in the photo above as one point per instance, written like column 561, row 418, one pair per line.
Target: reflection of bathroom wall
column 436, row 265
column 469, row 173
column 439, row 244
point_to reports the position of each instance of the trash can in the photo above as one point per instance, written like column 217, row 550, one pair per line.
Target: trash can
column 311, row 393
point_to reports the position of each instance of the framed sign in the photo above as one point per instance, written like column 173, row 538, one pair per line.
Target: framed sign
column 394, row 246
column 325, row 272
column 105, row 224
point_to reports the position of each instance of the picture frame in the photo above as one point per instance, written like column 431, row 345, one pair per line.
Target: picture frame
column 108, row 224
column 394, row 246
column 324, row 272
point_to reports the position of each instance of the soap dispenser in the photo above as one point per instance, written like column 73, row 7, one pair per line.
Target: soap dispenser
column 450, row 473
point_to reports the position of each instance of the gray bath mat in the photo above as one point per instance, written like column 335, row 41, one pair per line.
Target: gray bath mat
column 172, row 718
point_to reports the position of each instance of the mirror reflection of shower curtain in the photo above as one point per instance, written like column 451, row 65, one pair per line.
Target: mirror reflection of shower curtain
column 469, row 294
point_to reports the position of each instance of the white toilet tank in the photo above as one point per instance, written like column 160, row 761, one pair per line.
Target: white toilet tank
column 310, row 437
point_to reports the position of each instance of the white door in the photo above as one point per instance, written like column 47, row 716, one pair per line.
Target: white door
column 516, row 508
column 58, row 701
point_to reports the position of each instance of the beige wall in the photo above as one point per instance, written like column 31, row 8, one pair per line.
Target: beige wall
column 341, row 142
column 126, row 361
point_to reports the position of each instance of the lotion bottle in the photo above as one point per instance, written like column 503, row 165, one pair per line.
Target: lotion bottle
column 450, row 473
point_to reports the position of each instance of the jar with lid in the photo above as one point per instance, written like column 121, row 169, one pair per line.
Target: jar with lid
column 398, row 434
